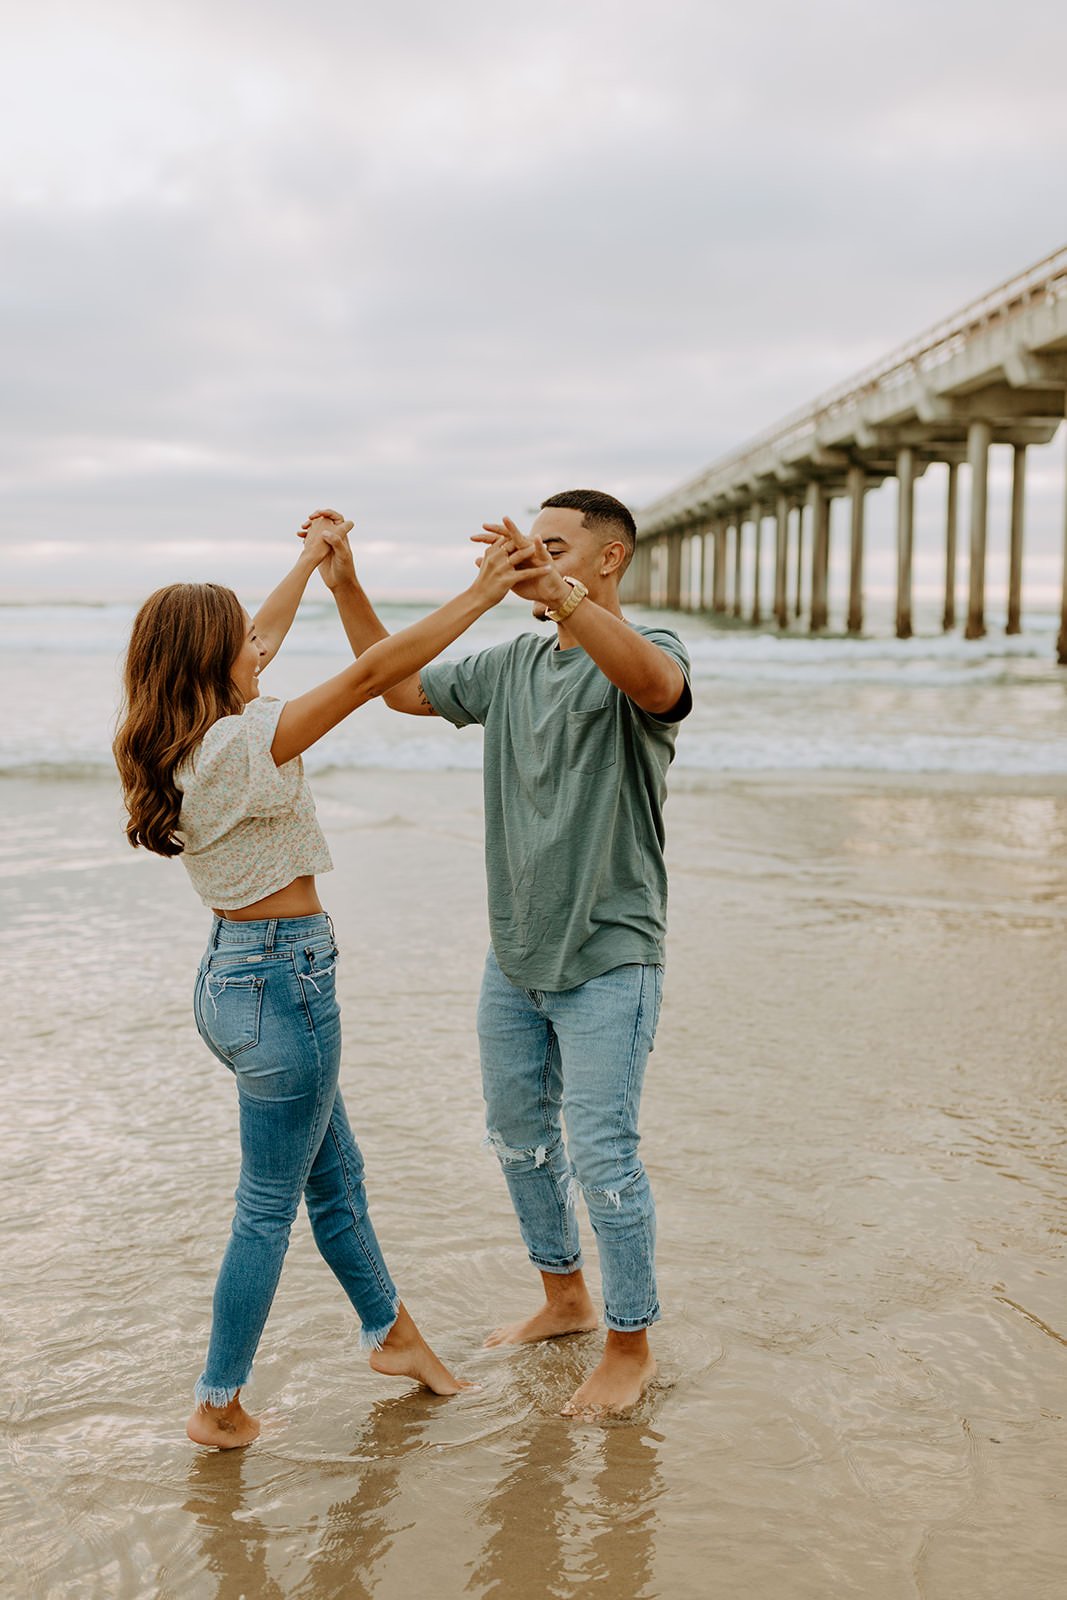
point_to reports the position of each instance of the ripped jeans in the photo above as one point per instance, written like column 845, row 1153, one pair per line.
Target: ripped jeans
column 265, row 1006
column 576, row 1054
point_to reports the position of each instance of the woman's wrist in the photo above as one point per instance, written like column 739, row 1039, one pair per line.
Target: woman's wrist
column 477, row 599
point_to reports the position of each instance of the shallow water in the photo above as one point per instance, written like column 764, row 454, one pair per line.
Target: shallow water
column 856, row 1126
column 763, row 702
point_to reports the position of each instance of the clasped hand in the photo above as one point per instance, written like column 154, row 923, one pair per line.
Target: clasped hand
column 512, row 563
column 325, row 534
column 537, row 577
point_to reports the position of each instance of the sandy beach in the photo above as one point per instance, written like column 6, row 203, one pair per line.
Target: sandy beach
column 855, row 1123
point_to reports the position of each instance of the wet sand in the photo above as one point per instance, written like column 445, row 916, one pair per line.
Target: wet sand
column 856, row 1127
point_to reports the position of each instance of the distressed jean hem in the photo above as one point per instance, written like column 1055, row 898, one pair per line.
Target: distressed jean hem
column 374, row 1338
column 626, row 1325
column 217, row 1394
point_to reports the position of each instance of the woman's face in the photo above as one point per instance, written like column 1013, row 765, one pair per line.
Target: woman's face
column 245, row 670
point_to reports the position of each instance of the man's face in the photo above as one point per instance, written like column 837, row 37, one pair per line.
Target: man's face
column 575, row 550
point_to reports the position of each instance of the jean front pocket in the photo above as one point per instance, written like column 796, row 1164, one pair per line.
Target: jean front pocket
column 229, row 1010
column 321, row 960
column 316, row 976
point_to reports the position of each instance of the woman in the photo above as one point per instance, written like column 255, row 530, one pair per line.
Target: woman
column 212, row 772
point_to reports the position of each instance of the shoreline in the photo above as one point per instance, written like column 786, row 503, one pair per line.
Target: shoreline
column 681, row 779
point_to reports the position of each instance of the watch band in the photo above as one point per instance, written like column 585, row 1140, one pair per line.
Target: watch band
column 573, row 600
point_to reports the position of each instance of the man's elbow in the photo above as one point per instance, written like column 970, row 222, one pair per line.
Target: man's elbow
column 407, row 697
column 662, row 693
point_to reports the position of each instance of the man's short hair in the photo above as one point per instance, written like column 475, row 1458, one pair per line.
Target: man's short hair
column 601, row 513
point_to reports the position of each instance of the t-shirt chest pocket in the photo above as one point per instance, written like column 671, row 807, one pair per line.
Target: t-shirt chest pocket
column 592, row 739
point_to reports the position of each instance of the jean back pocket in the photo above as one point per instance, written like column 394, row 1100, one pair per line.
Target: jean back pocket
column 230, row 1009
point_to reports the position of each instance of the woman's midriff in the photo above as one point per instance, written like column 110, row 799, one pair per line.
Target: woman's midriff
column 298, row 899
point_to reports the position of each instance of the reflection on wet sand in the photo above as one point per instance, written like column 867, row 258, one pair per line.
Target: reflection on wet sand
column 573, row 1506
column 233, row 1551
column 343, row 1549
column 567, row 1506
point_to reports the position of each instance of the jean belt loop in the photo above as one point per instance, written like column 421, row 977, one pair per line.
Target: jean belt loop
column 272, row 928
column 216, row 929
column 329, row 924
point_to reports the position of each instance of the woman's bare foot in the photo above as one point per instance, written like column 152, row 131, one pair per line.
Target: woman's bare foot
column 225, row 1427
column 625, row 1371
column 405, row 1354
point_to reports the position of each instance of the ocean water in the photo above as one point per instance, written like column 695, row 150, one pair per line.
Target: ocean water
column 763, row 702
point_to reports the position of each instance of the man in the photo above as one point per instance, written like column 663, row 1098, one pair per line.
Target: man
column 579, row 733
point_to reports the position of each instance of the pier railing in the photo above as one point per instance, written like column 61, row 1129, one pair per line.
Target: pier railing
column 1045, row 281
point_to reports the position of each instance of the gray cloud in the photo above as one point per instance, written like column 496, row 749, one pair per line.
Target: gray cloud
column 435, row 262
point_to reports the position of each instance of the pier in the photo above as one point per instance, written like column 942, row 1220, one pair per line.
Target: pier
column 995, row 373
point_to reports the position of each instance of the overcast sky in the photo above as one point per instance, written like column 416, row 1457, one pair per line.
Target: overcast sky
column 431, row 263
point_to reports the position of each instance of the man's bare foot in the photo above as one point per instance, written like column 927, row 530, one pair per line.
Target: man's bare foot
column 225, row 1427
column 405, row 1354
column 558, row 1316
column 625, row 1371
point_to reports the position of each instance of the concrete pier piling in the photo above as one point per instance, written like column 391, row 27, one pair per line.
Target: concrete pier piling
column 1061, row 638
column 718, row 582
column 781, row 560
column 674, row 573
column 995, row 373
column 979, row 438
column 1015, row 548
column 819, row 506
column 798, row 609
column 857, row 495
column 948, row 615
column 757, row 518
column 905, row 533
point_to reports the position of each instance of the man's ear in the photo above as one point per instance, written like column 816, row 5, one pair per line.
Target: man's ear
column 612, row 557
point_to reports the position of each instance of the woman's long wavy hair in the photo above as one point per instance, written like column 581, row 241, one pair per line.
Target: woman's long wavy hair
column 176, row 684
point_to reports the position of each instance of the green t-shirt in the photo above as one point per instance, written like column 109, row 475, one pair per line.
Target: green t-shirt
column 575, row 778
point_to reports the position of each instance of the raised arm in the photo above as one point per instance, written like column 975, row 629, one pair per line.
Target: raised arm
column 396, row 657
column 363, row 627
column 275, row 616
column 647, row 675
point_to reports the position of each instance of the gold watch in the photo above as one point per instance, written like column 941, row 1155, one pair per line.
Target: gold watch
column 572, row 602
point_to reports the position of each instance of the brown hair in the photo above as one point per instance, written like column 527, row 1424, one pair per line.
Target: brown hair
column 176, row 684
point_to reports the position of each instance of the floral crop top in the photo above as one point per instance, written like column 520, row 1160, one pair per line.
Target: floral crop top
column 248, row 827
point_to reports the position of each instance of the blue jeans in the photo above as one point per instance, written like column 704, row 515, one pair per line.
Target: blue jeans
column 265, row 1005
column 578, row 1055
